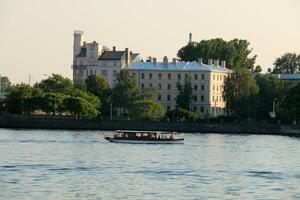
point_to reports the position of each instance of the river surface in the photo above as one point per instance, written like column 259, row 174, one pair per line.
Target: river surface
column 47, row 164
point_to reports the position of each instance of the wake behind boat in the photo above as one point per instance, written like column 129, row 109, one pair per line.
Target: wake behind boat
column 146, row 137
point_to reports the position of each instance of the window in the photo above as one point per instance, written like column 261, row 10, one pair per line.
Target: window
column 169, row 97
column 196, row 76
column 195, row 108
column 179, row 76
column 159, row 97
column 202, row 98
column 213, row 77
column 186, row 76
column 202, row 87
column 142, row 86
column 159, row 86
column 195, row 87
column 213, row 98
column 150, row 85
column 150, row 76
column 202, row 77
column 202, row 109
column 195, row 98
column 159, row 76
column 217, row 88
column 133, row 74
column 104, row 73
column 91, row 72
column 142, row 75
column 169, row 76
column 213, row 87
column 169, row 86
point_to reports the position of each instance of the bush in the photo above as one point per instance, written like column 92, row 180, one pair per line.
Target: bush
column 146, row 110
column 180, row 114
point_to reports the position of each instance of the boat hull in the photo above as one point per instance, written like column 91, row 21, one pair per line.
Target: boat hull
column 128, row 141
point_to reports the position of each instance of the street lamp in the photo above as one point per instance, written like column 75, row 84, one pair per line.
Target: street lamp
column 273, row 113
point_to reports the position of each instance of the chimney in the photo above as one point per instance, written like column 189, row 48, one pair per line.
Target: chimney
column 190, row 38
column 174, row 61
column 210, row 61
column 165, row 61
column 150, row 59
column 114, row 48
column 84, row 44
column 200, row 61
column 223, row 63
column 216, row 63
column 154, row 61
column 127, row 56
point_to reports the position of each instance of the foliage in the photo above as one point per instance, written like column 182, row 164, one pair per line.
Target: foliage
column 55, row 83
column 5, row 84
column 98, row 86
column 288, row 63
column 290, row 104
column 80, row 107
column 180, row 114
column 184, row 97
column 146, row 110
column 270, row 88
column 236, row 52
column 149, row 93
column 52, row 103
column 239, row 91
column 125, row 91
column 22, row 98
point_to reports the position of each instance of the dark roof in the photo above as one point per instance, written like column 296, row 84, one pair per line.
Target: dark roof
column 82, row 52
column 134, row 55
column 112, row 55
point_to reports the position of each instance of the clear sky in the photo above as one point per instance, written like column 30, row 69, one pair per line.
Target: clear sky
column 36, row 36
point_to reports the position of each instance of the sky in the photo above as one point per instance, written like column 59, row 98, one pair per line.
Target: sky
column 36, row 36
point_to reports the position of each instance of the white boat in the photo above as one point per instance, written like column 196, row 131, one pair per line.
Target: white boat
column 146, row 137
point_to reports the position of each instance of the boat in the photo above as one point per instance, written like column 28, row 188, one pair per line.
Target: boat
column 146, row 137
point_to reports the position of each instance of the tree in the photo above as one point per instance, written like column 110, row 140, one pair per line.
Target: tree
column 22, row 98
column 80, row 107
column 146, row 110
column 52, row 103
column 125, row 91
column 55, row 83
column 5, row 84
column 236, row 52
column 239, row 91
column 288, row 63
column 149, row 93
column 98, row 86
column 270, row 88
column 184, row 97
column 180, row 114
column 92, row 99
column 290, row 104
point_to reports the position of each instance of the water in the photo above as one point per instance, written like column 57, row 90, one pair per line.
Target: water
column 44, row 164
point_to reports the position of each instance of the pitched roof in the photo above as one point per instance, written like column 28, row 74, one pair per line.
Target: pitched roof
column 184, row 66
column 112, row 55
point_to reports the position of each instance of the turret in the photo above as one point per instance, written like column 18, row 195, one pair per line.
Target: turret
column 77, row 43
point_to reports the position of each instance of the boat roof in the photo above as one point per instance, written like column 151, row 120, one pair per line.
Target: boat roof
column 151, row 132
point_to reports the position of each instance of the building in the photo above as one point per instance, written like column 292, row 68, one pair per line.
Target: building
column 207, row 79
column 207, row 82
column 92, row 58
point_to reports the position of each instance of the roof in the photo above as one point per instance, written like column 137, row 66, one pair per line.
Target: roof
column 112, row 55
column 82, row 52
column 134, row 55
column 184, row 66
column 288, row 76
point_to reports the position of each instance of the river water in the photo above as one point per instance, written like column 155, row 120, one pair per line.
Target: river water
column 47, row 164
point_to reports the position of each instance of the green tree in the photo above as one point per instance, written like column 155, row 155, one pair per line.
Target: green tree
column 52, row 103
column 22, row 98
column 146, row 110
column 239, row 93
column 55, row 83
column 98, row 86
column 270, row 88
column 184, row 97
column 80, row 107
column 236, row 52
column 94, row 100
column 288, row 63
column 289, row 108
column 125, row 91
column 149, row 93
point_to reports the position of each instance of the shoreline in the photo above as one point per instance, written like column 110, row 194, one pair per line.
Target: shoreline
column 64, row 123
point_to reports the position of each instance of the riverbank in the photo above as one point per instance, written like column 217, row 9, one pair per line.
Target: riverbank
column 54, row 122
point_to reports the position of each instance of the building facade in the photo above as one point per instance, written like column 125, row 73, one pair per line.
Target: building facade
column 207, row 79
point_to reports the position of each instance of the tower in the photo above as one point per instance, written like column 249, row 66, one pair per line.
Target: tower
column 77, row 43
column 190, row 38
